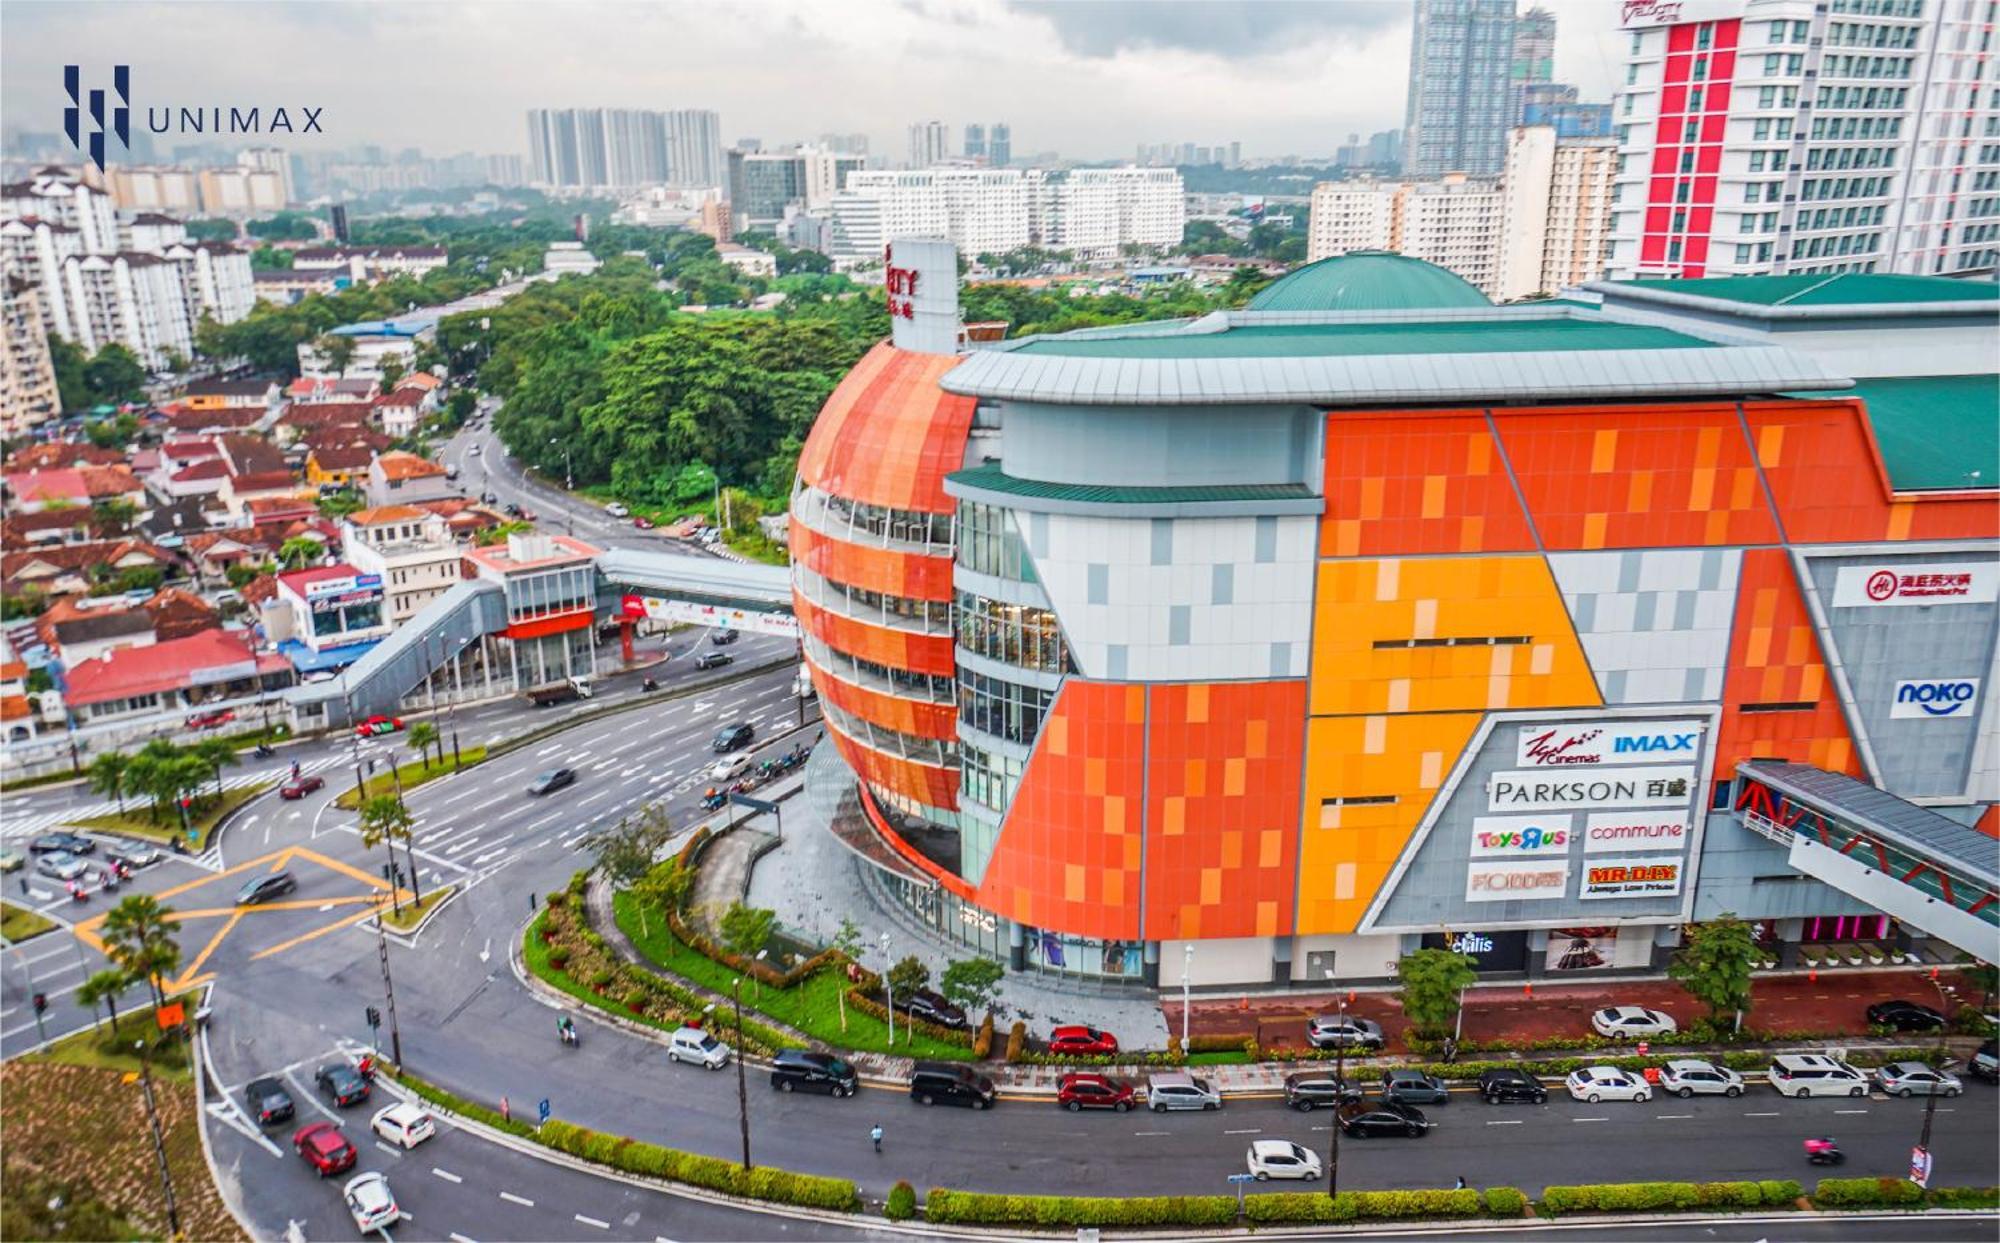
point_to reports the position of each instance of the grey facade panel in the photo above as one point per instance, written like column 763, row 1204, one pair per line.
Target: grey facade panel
column 1749, row 876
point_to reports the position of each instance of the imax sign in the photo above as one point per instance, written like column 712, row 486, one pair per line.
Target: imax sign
column 1604, row 742
column 1935, row 697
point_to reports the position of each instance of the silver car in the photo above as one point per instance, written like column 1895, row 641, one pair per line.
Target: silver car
column 1327, row 1031
column 1917, row 1079
column 62, row 865
column 1180, row 1091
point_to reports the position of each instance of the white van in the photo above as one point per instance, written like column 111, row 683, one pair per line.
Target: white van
column 1815, row 1074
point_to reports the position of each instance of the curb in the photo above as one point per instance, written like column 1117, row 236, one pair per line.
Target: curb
column 199, row 1065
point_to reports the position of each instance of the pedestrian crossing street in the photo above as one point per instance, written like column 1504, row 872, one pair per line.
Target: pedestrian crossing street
column 20, row 827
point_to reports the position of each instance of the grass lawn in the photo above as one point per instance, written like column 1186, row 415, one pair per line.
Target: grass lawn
column 414, row 912
column 100, row 1048
column 411, row 775
column 535, row 952
column 812, row 1006
column 18, row 923
column 134, row 822
column 758, row 548
column 1226, row 1057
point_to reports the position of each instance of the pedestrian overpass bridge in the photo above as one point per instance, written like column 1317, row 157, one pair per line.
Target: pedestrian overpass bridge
column 1927, row 870
column 457, row 632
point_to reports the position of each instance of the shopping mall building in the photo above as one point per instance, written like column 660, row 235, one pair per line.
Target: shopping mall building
column 1376, row 616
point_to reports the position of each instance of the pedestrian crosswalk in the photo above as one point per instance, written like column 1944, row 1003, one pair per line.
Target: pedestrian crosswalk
column 15, row 826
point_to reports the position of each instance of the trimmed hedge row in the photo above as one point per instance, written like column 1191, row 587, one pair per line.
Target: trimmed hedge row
column 701, row 943
column 1291, row 1206
column 859, row 998
column 760, row 1182
column 1645, row 1197
column 1866, row 1192
column 975, row 1208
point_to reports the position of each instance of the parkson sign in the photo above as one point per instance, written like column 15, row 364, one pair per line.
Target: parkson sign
column 1597, row 787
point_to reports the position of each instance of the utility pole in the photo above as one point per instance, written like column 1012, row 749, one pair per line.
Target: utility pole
column 451, row 698
column 388, row 988
column 888, row 991
column 1187, row 972
column 742, row 1092
column 1339, row 1099
column 159, row 1144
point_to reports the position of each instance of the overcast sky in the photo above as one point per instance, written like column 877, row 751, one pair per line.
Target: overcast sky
column 1088, row 78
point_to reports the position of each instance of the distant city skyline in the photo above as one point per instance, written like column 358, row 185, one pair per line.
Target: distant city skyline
column 1287, row 78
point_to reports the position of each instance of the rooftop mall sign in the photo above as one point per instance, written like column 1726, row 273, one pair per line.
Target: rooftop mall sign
column 920, row 276
column 1957, row 582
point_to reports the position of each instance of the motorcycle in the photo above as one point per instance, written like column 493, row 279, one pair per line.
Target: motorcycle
column 566, row 1030
column 264, row 751
column 713, row 799
column 1824, row 1152
column 650, row 684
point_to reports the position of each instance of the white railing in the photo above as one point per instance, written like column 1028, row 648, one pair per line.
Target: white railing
column 1764, row 826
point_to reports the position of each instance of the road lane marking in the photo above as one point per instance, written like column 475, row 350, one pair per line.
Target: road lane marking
column 448, row 1176
column 1665, row 1116
column 592, row 1221
column 458, row 1238
column 1255, row 1130
column 1144, row 1133
column 1500, row 1122
column 1768, row 1115
column 514, row 1199
column 1850, row 1111
column 392, row 1151
column 1590, row 1119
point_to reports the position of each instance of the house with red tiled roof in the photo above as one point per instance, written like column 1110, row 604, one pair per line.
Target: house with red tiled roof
column 339, row 465
column 79, row 629
column 75, row 525
column 59, row 454
column 204, row 422
column 398, row 478
column 263, row 511
column 176, row 614
column 67, row 569
column 409, row 548
column 172, row 676
column 238, row 491
column 213, row 552
column 32, row 491
column 302, row 420
column 400, row 411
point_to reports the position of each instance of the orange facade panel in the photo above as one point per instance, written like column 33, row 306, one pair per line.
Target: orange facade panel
column 924, row 783
column 1631, row 477
column 1369, row 781
column 1068, row 856
column 1823, row 467
column 889, row 435
column 1444, row 634
column 1413, row 482
column 1222, row 808
column 898, row 649
column 886, row 570
column 1778, row 702
column 905, row 716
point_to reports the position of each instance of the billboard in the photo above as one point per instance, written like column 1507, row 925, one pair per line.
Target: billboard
column 1516, row 882
column 683, row 613
column 1534, row 790
column 1953, row 582
column 1634, row 878
column 1633, row 742
column 1931, row 698
column 1514, row 837
column 1604, row 832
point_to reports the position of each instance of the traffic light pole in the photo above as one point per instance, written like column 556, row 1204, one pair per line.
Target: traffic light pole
column 389, row 989
column 159, row 1145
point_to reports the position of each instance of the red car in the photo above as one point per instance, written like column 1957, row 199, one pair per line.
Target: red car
column 1080, row 1091
column 302, row 787
column 209, row 720
column 379, row 725
column 1076, row 1038
column 324, row 1148
column 643, row 522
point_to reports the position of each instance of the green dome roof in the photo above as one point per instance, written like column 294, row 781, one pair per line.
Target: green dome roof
column 1368, row 280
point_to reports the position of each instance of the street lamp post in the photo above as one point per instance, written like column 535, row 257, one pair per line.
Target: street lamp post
column 888, row 992
column 159, row 1144
column 569, row 485
column 1339, row 1095
column 1930, row 1104
column 388, row 986
column 1187, row 973
column 742, row 1092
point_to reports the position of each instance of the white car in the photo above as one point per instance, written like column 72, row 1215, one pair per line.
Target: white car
column 1633, row 1021
column 692, row 1044
column 1280, row 1158
column 62, row 865
column 729, row 767
column 474, row 451
column 405, row 1125
column 617, row 511
column 371, row 1202
column 1606, row 1083
column 1690, row 1076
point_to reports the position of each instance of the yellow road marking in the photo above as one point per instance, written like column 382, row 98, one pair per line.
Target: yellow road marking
column 210, row 947
column 345, row 869
column 338, row 924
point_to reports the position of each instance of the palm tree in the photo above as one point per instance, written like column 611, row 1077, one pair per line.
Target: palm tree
column 298, row 550
column 108, row 773
column 106, row 986
column 383, row 820
column 147, row 772
column 139, row 937
column 213, row 754
column 422, row 735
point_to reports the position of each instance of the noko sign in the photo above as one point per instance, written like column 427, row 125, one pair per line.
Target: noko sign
column 1935, row 697
column 1516, row 882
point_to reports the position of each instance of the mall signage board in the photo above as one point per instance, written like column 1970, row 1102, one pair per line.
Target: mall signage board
column 1517, row 837
column 1636, row 742
column 1931, row 698
column 681, row 612
column 1945, row 582
column 1516, row 882
column 1608, row 831
column 1633, row 878
column 1608, row 788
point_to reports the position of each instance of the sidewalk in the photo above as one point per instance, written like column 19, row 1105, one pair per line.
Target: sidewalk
column 1791, row 1002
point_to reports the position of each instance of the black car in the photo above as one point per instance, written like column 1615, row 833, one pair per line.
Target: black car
column 1309, row 1090
column 1511, row 1085
column 554, row 779
column 264, row 888
column 942, row 1083
column 730, row 737
column 268, row 1101
column 723, row 638
column 802, row 1070
column 513, row 510
column 1363, row 1119
column 49, row 843
column 1904, row 1016
column 342, row 1083
column 713, row 660
column 1413, row 1087
column 932, row 1008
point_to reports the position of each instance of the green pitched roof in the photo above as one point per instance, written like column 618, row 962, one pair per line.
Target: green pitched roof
column 1840, row 289
column 1935, row 432
column 1494, row 336
column 1368, row 280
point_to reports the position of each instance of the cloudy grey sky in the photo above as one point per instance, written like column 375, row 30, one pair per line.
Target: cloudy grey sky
column 1089, row 78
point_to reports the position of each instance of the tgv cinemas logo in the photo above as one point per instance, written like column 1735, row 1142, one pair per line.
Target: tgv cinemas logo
column 111, row 113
